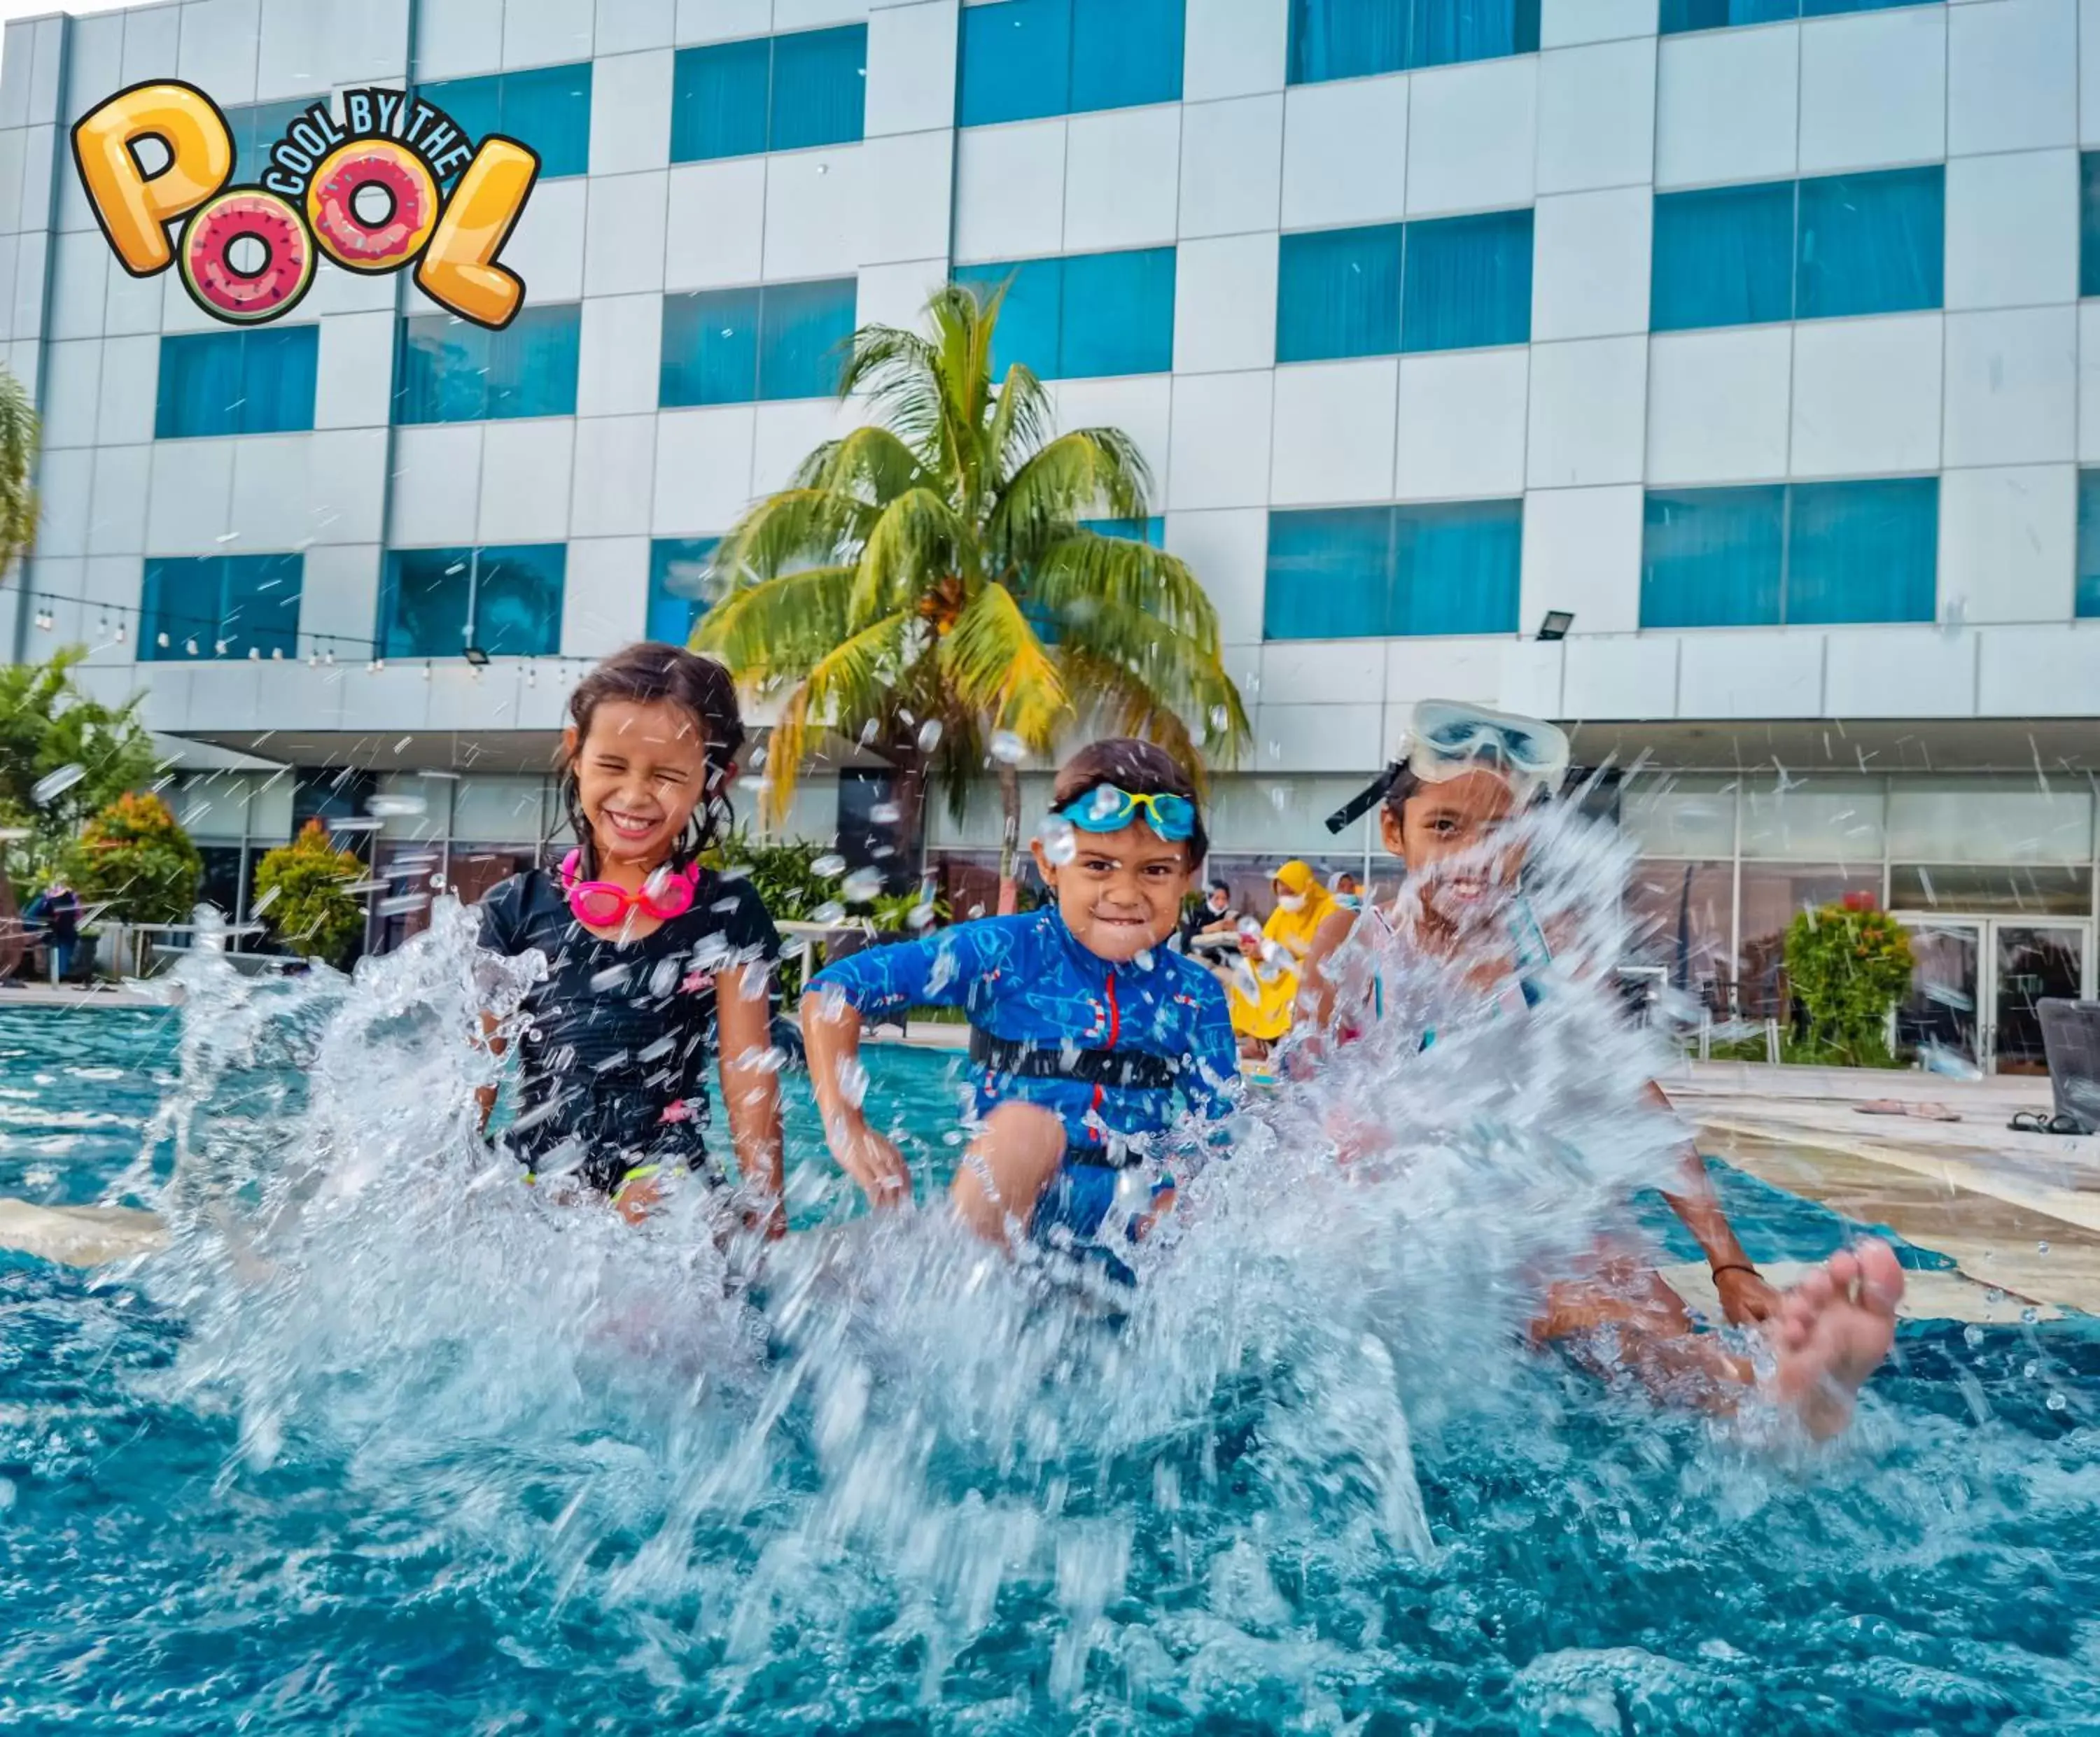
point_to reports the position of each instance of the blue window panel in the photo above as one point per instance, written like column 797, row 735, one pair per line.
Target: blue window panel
column 803, row 331
column 1338, row 294
column 1118, row 313
column 1872, row 243
column 220, row 606
column 1829, row 8
column 1029, row 314
column 1330, row 574
column 1466, row 282
column 1457, row 568
column 1125, row 53
column 718, row 100
column 1445, row 31
column 255, row 128
column 249, row 382
column 2088, row 224
column 547, row 107
column 506, row 600
column 454, row 371
column 677, row 580
column 1346, row 38
column 819, row 88
column 1863, row 551
column 1723, row 257
column 1152, row 530
column 1016, row 61
column 710, row 348
column 1713, row 558
column 778, row 93
column 1716, row 14
column 2089, row 543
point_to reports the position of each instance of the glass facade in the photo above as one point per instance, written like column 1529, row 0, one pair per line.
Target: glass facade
column 1372, row 572
column 1813, row 250
column 255, row 127
column 772, row 341
column 258, row 381
column 1355, row 39
column 1021, row 59
column 220, row 606
column 506, row 602
column 451, row 370
column 677, row 587
column 1082, row 314
column 547, row 107
column 1451, row 283
column 1719, row 14
column 769, row 93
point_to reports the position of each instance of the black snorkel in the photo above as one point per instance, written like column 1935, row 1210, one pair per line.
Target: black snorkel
column 1364, row 799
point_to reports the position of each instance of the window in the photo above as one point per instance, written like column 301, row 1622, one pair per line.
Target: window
column 1352, row 38
column 1797, row 554
column 2089, row 543
column 248, row 382
column 731, row 347
column 1450, row 283
column 1084, row 314
column 1023, row 59
column 678, row 597
column 1376, row 572
column 255, row 127
column 2088, row 224
column 220, row 606
column 436, row 602
column 1717, row 15
column 1815, row 249
column 769, row 93
column 1152, row 530
column 548, row 108
column 454, row 371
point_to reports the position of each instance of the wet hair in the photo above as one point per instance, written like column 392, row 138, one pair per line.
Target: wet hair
column 1225, row 887
column 1142, row 768
column 644, row 675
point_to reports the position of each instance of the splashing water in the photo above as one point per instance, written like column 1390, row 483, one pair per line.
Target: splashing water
column 413, row 1444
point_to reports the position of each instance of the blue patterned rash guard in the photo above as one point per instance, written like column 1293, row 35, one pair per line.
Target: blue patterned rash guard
column 1026, row 981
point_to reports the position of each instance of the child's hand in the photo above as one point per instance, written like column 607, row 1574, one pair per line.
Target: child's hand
column 1745, row 1297
column 635, row 1201
column 873, row 1161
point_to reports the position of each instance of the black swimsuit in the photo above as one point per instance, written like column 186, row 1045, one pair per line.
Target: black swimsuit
column 613, row 1066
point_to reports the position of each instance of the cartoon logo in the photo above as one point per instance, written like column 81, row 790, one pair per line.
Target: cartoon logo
column 363, row 190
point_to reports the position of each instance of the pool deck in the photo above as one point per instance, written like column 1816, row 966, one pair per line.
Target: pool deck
column 2017, row 1213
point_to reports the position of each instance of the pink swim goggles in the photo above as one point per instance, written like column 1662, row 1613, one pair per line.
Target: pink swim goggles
column 600, row 904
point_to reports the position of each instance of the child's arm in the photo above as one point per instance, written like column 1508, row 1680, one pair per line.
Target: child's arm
column 743, row 1021
column 1316, row 989
column 1745, row 1295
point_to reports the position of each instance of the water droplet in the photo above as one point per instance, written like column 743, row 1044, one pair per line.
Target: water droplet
column 1008, row 748
column 1972, row 1337
column 391, row 807
column 53, row 785
column 830, row 911
column 2030, row 1370
column 2028, row 1317
column 1060, row 841
column 929, row 735
column 2041, row 1248
column 885, row 814
column 1994, row 1295
column 2056, row 1402
column 1219, row 717
column 829, row 867
column 920, row 915
column 861, row 885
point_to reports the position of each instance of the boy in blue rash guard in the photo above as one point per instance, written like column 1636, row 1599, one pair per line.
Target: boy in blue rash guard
column 1085, row 1028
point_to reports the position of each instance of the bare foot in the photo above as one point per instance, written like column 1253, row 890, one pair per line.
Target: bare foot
column 1832, row 1330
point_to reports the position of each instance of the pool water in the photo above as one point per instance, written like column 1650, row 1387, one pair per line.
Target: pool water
column 405, row 1499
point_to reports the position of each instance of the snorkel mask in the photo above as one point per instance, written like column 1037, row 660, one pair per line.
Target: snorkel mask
column 1447, row 738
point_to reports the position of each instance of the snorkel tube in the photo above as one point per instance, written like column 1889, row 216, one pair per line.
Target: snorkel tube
column 1364, row 799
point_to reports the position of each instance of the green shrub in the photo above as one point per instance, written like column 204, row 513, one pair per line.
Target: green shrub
column 310, row 909
column 1848, row 964
column 135, row 860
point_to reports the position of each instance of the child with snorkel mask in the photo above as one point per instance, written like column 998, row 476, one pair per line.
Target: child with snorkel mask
column 1465, row 774
column 1088, row 1035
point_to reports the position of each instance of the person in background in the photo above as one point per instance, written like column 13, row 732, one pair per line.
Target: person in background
column 1215, row 916
column 1348, row 891
column 1265, row 988
column 57, row 908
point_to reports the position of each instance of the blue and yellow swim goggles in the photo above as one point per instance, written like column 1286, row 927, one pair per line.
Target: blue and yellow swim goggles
column 1108, row 808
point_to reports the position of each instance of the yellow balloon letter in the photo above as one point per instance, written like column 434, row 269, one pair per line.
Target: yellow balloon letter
column 134, row 208
column 459, row 267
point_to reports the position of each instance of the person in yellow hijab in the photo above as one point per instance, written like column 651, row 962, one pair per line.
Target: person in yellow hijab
column 1302, row 905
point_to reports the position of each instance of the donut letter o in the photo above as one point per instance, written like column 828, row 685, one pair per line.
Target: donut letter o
column 278, row 249
column 348, row 238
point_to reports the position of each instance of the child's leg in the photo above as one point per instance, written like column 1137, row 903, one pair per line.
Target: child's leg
column 1835, row 1328
column 1017, row 1151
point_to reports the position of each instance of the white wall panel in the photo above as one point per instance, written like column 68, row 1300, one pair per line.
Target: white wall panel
column 525, row 477
column 617, row 363
column 217, row 51
column 1582, row 552
column 455, row 37
column 1747, row 673
column 1472, row 137
column 816, row 213
column 2049, row 671
column 545, row 33
column 1221, row 441
column 153, row 43
column 715, row 236
column 72, row 387
column 65, row 485
column 1621, row 677
column 131, row 377
column 1225, row 304
column 624, row 26
column 783, row 434
column 631, row 113
column 1010, row 191
column 1718, row 405
column 1590, row 268
column 340, row 592
column 721, row 21
column 1899, row 673
column 2012, row 229
column 1562, row 22
column 624, row 234
column 616, row 474
column 1416, row 669
column 1727, row 106
column 895, row 295
column 1588, row 401
column 123, row 477
column 192, row 488
column 437, row 486
column 910, row 68
column 2089, row 382
column 1345, row 152
column 1122, row 179
column 2012, row 76
column 907, row 183
column 1231, row 165
column 1461, row 431
column 605, row 595
column 1596, row 116
column 1141, row 405
column 1334, row 425
column 2011, row 390
column 346, row 485
column 2009, row 544
column 1313, row 672
column 1228, row 551
column 1233, row 47
column 80, row 273
column 353, row 383
column 703, row 470
column 1874, row 89
column 1866, row 396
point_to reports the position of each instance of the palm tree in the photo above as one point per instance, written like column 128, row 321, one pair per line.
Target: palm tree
column 18, row 468
column 927, row 587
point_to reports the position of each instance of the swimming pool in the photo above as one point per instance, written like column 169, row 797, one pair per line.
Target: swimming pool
column 608, row 1548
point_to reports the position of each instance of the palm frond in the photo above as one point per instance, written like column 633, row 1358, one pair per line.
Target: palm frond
column 1118, row 703
column 917, row 540
column 1089, row 473
column 1172, row 671
column 1085, row 569
column 997, row 665
column 18, row 468
column 871, row 465
column 1021, row 423
column 778, row 628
